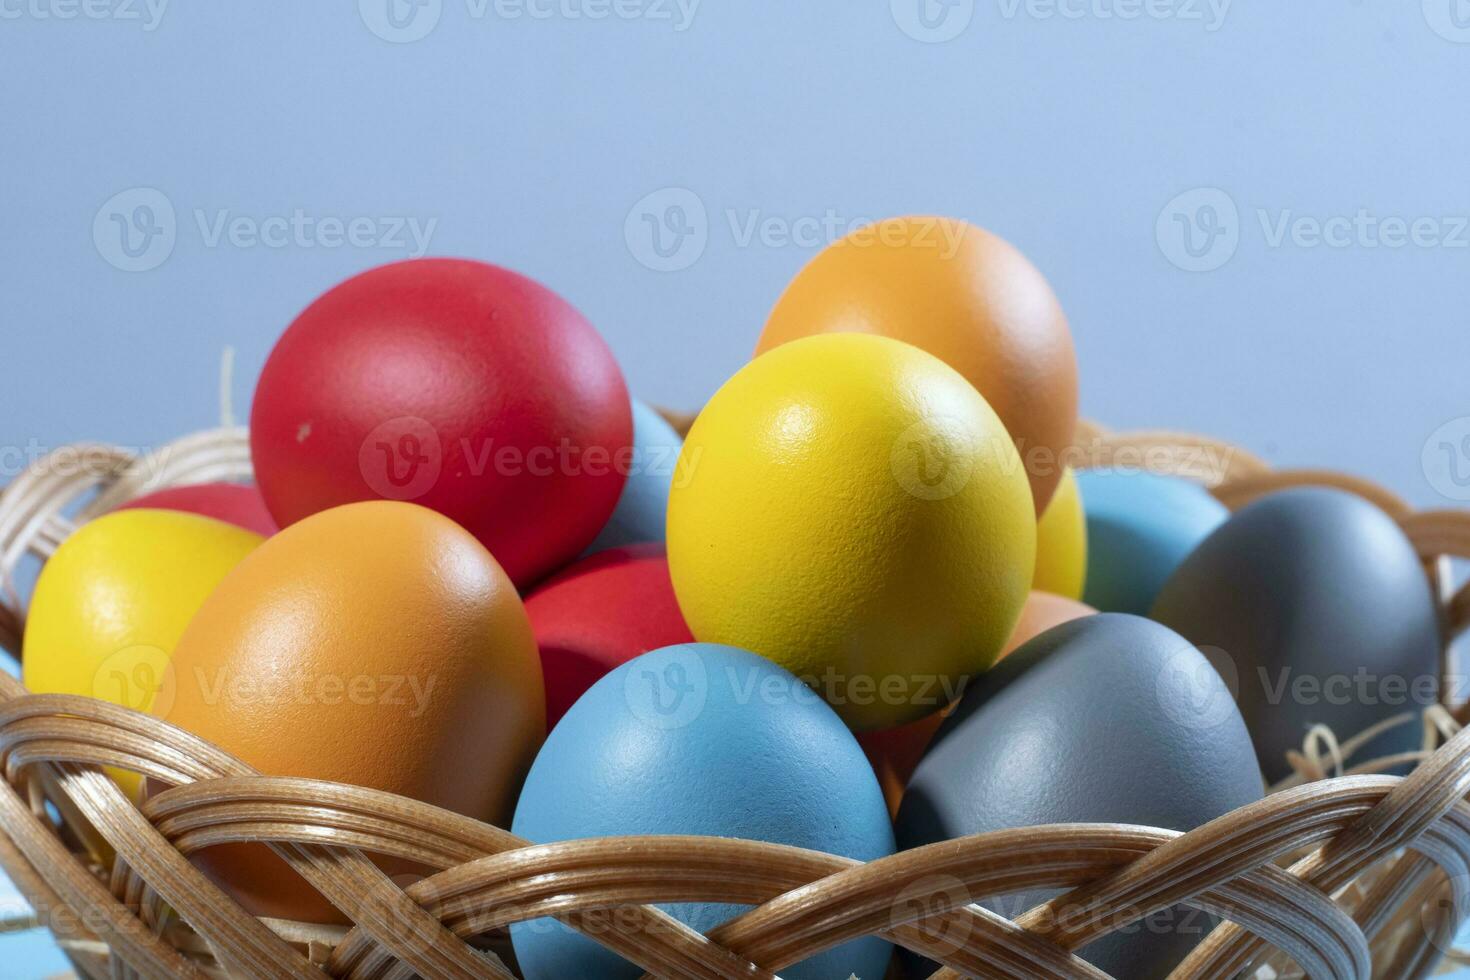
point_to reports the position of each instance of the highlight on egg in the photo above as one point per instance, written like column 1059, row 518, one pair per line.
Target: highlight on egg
column 968, row 297
column 707, row 740
column 855, row 511
column 376, row 644
column 113, row 601
column 458, row 385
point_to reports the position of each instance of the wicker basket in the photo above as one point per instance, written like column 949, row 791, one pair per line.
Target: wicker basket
column 1333, row 875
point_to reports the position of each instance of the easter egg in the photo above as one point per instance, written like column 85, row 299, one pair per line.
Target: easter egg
column 641, row 510
column 377, row 644
column 1313, row 603
column 1107, row 719
column 1140, row 526
column 894, row 752
column 457, row 385
column 706, row 740
column 599, row 613
column 234, row 503
column 110, row 605
column 851, row 508
column 1061, row 542
column 963, row 294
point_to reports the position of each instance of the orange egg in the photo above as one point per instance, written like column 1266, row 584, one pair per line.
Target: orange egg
column 966, row 296
column 377, row 644
column 895, row 752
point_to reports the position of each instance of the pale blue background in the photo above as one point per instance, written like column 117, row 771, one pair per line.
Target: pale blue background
column 531, row 140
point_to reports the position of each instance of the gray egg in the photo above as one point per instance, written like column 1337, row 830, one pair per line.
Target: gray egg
column 1314, row 606
column 1106, row 719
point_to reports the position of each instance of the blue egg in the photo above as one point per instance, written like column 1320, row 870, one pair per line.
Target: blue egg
column 1140, row 526
column 641, row 510
column 710, row 740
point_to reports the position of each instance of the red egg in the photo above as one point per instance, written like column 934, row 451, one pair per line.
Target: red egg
column 234, row 503
column 461, row 386
column 599, row 613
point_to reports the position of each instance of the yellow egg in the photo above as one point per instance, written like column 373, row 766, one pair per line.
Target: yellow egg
column 850, row 507
column 111, row 604
column 1061, row 542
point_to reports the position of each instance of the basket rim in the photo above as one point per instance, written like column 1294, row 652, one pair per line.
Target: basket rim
column 1347, row 826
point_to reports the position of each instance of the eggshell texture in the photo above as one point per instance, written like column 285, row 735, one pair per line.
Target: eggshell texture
column 708, row 740
column 599, row 613
column 644, row 505
column 110, row 605
column 1033, row 742
column 963, row 294
column 894, row 752
column 852, row 509
column 1061, row 542
column 376, row 644
column 234, row 503
column 1320, row 612
column 1140, row 526
column 457, row 385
